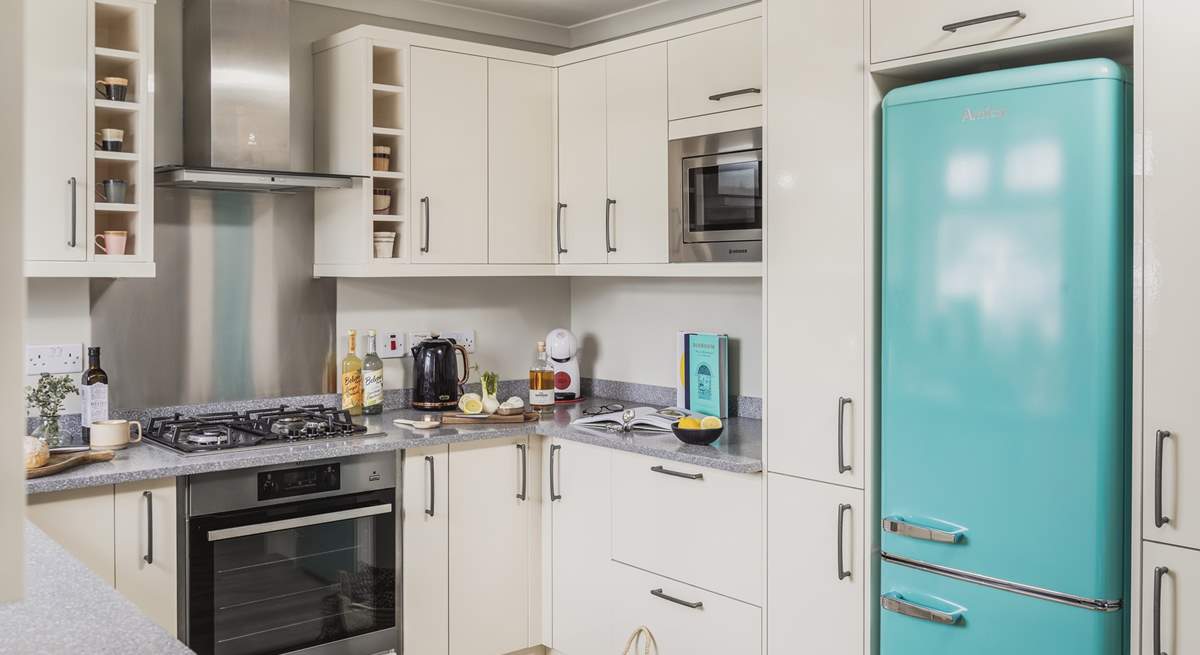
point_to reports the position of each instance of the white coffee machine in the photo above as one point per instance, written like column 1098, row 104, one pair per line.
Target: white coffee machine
column 563, row 349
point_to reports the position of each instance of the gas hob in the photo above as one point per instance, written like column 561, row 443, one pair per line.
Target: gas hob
column 194, row 434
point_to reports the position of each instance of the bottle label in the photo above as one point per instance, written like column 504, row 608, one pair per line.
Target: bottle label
column 541, row 397
column 372, row 388
column 352, row 389
column 93, row 402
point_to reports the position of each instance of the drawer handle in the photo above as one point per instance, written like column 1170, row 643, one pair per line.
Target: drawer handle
column 678, row 474
column 678, row 601
column 729, row 94
column 1159, row 519
column 953, row 27
column 843, row 572
column 893, row 602
column 1159, row 572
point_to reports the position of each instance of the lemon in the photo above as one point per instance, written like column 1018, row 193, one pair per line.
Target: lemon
column 470, row 403
column 689, row 423
column 710, row 423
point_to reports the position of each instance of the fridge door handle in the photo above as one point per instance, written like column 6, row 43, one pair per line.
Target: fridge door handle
column 1159, row 572
column 903, row 527
column 894, row 602
column 1159, row 437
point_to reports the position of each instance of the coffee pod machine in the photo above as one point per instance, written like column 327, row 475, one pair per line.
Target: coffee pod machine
column 563, row 349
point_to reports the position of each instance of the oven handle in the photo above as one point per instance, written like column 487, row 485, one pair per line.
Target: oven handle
column 300, row 522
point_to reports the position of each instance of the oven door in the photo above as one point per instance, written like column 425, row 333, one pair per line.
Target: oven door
column 723, row 197
column 315, row 575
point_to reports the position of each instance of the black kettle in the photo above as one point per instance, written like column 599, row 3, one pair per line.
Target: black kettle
column 436, row 381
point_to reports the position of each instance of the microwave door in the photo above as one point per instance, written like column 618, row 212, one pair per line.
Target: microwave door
column 723, row 197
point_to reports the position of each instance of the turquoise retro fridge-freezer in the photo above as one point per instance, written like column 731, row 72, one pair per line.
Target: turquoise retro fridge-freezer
column 1005, row 363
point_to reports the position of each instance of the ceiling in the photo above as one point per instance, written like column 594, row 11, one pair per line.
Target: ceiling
column 564, row 13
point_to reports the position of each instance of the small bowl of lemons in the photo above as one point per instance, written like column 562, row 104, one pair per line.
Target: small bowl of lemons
column 698, row 431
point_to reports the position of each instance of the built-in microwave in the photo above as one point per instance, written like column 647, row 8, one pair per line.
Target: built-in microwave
column 716, row 206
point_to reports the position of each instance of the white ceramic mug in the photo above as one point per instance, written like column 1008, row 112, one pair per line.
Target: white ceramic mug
column 385, row 243
column 112, row 242
column 113, row 434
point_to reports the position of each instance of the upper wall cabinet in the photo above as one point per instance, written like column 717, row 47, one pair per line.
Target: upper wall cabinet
column 902, row 28
column 87, row 138
column 717, row 70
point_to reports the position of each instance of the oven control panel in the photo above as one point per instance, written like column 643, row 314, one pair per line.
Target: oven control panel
column 284, row 483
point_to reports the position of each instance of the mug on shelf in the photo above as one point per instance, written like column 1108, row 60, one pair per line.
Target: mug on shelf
column 381, row 158
column 112, row 242
column 113, row 88
column 112, row 191
column 110, row 139
column 113, row 434
column 385, row 243
column 382, row 200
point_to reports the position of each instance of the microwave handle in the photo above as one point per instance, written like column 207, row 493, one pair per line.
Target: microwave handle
column 300, row 522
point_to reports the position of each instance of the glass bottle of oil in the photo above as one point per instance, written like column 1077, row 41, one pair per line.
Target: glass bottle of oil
column 352, row 384
column 541, row 380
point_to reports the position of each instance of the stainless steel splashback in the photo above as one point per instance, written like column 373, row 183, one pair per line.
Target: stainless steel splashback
column 234, row 312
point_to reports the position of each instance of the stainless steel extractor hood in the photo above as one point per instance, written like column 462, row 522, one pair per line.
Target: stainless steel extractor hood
column 236, row 100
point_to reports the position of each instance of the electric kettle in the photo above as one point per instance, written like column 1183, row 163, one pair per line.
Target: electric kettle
column 436, row 381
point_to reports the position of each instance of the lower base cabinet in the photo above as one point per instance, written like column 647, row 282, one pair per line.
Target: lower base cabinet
column 1170, row 583
column 815, row 600
column 425, row 534
column 81, row 521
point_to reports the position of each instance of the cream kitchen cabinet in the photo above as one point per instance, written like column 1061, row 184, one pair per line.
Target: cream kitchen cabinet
column 817, row 563
column 900, row 28
column 426, row 536
column 579, row 480
column 489, row 509
column 717, row 70
column 613, row 159
column 81, row 521
column 1170, row 597
column 145, row 520
column 449, row 158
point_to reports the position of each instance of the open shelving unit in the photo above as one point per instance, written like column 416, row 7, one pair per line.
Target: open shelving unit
column 389, row 112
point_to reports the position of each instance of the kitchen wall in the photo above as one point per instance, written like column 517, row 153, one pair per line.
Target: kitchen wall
column 628, row 326
column 58, row 313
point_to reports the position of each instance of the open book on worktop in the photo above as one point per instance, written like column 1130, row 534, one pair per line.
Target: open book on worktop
column 644, row 418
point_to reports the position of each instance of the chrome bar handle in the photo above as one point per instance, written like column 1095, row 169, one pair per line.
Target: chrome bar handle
column 554, row 495
column 842, row 465
column 953, row 27
column 894, row 603
column 843, row 572
column 1159, row 437
column 521, row 495
column 729, row 94
column 558, row 225
column 149, row 556
column 425, row 207
column 677, row 474
column 905, row 529
column 72, row 241
column 1159, row 572
column 678, row 601
column 608, row 225
column 432, row 486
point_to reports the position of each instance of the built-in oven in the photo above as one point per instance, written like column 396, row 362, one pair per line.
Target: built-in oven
column 297, row 558
column 716, row 207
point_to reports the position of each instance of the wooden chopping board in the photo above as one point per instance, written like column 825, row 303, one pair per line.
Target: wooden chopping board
column 469, row 419
column 60, row 463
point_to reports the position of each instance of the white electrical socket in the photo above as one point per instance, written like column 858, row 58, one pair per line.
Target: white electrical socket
column 413, row 339
column 465, row 338
column 55, row 360
column 391, row 344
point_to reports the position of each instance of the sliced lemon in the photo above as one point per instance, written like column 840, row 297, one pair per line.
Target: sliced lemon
column 689, row 423
column 710, row 423
column 470, row 403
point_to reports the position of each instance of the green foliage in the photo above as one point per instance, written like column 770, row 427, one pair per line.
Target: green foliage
column 490, row 381
column 49, row 393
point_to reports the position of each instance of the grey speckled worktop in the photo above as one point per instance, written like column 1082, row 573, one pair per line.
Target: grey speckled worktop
column 738, row 450
column 68, row 609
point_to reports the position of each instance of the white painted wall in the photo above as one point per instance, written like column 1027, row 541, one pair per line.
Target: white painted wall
column 628, row 326
column 59, row 312
column 509, row 315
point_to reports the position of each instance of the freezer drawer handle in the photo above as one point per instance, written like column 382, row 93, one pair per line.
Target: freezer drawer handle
column 677, row 474
column 1159, row 572
column 1159, row 437
column 893, row 602
column 953, row 27
column 678, row 601
column 897, row 525
column 843, row 467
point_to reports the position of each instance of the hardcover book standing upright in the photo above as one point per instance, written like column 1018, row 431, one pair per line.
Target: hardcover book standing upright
column 704, row 373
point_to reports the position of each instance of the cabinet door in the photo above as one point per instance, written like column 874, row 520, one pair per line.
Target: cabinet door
column 636, row 82
column 520, row 162
column 706, row 66
column 55, row 135
column 426, row 534
column 1178, row 599
column 582, row 163
column 449, row 157
column 817, row 240
column 582, row 532
column 81, row 521
column 1171, row 351
column 144, row 535
column 812, row 604
column 489, row 547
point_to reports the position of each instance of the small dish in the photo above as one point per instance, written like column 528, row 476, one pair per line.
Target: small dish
column 697, row 436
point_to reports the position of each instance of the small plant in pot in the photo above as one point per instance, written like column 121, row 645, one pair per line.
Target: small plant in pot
column 47, row 398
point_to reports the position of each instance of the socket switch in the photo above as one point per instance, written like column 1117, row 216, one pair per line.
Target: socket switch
column 465, row 338
column 55, row 360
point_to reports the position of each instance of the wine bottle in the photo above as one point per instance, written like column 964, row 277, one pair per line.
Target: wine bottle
column 93, row 394
column 352, row 383
column 372, row 378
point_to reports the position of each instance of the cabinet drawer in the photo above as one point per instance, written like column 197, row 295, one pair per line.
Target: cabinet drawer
column 689, row 523
column 901, row 28
column 716, row 625
column 727, row 60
